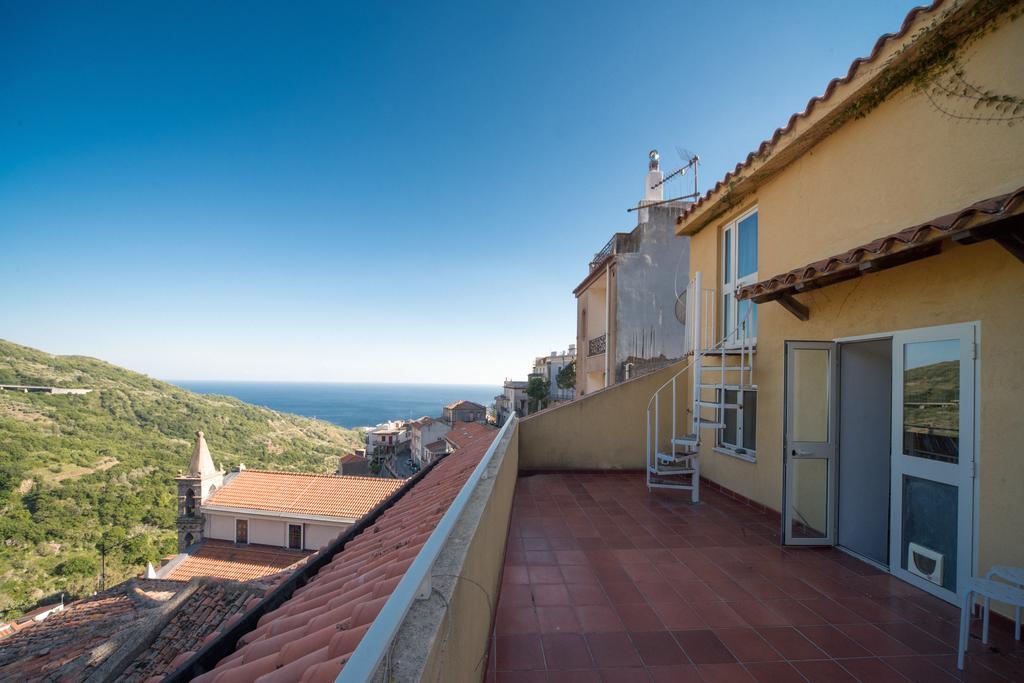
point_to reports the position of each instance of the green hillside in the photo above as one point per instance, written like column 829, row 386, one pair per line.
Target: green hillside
column 80, row 471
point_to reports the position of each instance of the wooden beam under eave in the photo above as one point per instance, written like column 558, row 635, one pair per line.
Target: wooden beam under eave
column 794, row 307
column 1013, row 243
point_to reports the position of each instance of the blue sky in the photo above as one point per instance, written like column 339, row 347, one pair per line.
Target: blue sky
column 362, row 191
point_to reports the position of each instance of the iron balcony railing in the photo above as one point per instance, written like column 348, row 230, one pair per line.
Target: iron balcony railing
column 620, row 243
column 597, row 345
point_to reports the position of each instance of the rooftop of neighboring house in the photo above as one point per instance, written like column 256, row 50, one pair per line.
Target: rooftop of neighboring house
column 463, row 433
column 345, row 498
column 311, row 634
column 439, row 446
column 131, row 632
column 226, row 560
column 464, row 405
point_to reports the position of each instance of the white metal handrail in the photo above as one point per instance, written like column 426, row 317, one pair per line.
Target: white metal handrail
column 416, row 582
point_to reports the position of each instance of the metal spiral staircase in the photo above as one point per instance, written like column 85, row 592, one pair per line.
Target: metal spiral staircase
column 716, row 367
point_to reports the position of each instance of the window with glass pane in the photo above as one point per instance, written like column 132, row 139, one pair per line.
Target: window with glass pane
column 739, row 268
column 931, row 400
column 740, row 431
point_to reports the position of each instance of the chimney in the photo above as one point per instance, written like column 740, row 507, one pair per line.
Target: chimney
column 654, row 177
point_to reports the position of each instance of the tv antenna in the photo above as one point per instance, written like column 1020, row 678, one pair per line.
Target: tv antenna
column 690, row 161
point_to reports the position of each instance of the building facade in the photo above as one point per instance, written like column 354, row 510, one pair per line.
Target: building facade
column 548, row 367
column 464, row 411
column 426, row 430
column 629, row 317
column 511, row 401
column 872, row 254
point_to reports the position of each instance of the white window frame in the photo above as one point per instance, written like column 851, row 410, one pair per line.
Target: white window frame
column 737, row 450
column 730, row 283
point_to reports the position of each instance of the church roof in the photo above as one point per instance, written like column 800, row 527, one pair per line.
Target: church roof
column 201, row 464
column 320, row 495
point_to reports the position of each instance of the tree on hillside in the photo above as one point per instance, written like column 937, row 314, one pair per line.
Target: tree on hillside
column 537, row 389
column 566, row 377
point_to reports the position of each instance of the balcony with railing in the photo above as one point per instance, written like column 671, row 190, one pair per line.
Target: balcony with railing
column 620, row 243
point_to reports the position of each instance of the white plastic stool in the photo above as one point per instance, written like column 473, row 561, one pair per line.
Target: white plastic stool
column 991, row 590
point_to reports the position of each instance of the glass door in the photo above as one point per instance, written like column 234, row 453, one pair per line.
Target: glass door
column 932, row 513
column 809, row 506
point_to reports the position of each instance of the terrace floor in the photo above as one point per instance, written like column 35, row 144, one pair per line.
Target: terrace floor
column 605, row 582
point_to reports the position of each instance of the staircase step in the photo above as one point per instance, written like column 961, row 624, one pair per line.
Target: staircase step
column 716, row 404
column 670, row 458
column 729, row 387
column 708, row 424
column 686, row 440
column 727, row 368
column 663, row 471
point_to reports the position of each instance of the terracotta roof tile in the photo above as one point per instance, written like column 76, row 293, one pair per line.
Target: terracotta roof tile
column 848, row 263
column 464, row 432
column 464, row 405
column 312, row 634
column 766, row 146
column 328, row 495
column 225, row 560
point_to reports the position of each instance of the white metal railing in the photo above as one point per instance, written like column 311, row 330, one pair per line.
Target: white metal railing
column 700, row 322
column 415, row 584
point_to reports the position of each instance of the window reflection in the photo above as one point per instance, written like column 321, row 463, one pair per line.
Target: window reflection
column 931, row 400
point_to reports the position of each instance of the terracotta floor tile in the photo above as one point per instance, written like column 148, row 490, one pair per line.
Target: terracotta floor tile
column 729, row 590
column 587, row 594
column 755, row 613
column 825, row 671
column 540, row 557
column 834, row 642
column 791, row 644
column 639, row 617
column 679, row 673
column 566, row 651
column 521, row 677
column 872, row 670
column 918, row 640
column 876, row 641
column 515, row 574
column 832, row 611
column 550, row 594
column 658, row 648
column 571, row 557
column 557, row 620
column 578, row 573
column 613, row 650
column 598, row 619
column 635, row 675
column 703, row 647
column 576, row 676
column 516, row 595
column 724, row 673
column 535, row 544
column 545, row 574
column 918, row 669
column 747, row 645
column 518, row 652
column 678, row 615
column 774, row 672
column 623, row 593
column 793, row 612
column 516, row 620
column 718, row 614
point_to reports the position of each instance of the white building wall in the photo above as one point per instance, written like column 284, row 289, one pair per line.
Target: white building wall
column 267, row 532
column 220, row 526
column 318, row 535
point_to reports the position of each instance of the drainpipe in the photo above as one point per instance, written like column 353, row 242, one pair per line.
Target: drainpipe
column 607, row 321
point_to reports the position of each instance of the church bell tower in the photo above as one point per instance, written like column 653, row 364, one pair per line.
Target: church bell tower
column 194, row 487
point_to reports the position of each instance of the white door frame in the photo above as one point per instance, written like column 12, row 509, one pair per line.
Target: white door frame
column 962, row 475
column 794, row 451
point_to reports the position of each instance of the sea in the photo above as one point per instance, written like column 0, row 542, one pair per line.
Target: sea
column 348, row 404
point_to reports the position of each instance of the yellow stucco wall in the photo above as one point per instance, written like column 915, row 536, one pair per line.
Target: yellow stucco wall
column 605, row 430
column 903, row 164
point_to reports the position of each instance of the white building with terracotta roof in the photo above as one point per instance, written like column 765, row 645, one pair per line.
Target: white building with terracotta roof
column 426, row 430
column 291, row 510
